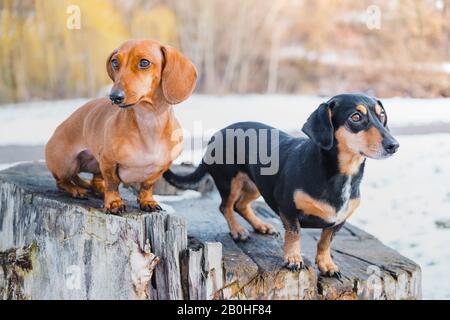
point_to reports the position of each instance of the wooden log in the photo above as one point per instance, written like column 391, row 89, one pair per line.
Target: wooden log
column 192, row 272
column 168, row 236
column 80, row 252
column 212, row 268
column 52, row 246
column 254, row 269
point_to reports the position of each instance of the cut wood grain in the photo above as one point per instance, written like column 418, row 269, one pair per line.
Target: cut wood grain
column 75, row 251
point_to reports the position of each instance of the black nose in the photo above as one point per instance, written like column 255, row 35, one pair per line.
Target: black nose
column 392, row 147
column 117, row 96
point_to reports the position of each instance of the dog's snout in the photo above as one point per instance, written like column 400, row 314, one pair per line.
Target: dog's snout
column 117, row 96
column 391, row 146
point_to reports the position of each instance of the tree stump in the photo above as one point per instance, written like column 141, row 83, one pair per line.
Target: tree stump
column 56, row 247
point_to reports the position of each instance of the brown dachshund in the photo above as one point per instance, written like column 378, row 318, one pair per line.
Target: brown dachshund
column 133, row 137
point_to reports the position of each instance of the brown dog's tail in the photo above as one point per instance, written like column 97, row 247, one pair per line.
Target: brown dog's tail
column 190, row 181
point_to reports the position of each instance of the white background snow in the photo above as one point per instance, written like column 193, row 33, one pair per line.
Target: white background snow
column 23, row 125
column 405, row 199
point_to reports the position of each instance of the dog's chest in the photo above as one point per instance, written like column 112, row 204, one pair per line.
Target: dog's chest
column 143, row 163
column 344, row 210
column 336, row 211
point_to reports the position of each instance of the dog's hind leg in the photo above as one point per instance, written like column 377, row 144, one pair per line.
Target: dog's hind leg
column 64, row 169
column 250, row 193
column 72, row 189
column 230, row 192
column 75, row 186
column 88, row 163
column 80, row 182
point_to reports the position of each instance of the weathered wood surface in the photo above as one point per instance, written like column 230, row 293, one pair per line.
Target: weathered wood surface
column 254, row 269
column 52, row 246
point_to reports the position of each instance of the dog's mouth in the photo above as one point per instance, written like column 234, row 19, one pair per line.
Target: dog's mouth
column 125, row 106
column 128, row 105
column 376, row 155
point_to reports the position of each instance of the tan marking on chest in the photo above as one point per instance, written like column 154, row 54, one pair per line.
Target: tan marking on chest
column 353, row 204
column 323, row 210
column 347, row 210
column 313, row 207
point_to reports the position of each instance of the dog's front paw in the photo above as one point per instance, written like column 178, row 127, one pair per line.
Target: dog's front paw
column 150, row 206
column 239, row 233
column 294, row 262
column 266, row 228
column 327, row 267
column 98, row 189
column 116, row 206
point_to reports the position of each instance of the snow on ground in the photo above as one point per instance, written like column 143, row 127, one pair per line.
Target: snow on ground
column 4, row 166
column 405, row 202
column 405, row 199
column 33, row 123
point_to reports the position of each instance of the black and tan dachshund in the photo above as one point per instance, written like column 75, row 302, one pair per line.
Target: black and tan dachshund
column 316, row 184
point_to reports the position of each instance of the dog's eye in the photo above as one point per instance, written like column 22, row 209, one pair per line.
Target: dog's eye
column 144, row 64
column 356, row 117
column 115, row 64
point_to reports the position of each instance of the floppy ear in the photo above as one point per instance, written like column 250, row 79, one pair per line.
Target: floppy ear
column 179, row 76
column 108, row 65
column 319, row 127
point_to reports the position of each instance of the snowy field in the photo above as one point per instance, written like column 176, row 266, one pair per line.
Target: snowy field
column 33, row 123
column 405, row 202
column 405, row 199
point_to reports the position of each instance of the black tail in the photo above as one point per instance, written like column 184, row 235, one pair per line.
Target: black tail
column 190, row 181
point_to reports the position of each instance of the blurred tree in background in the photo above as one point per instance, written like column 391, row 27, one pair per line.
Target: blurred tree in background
column 239, row 46
column 41, row 57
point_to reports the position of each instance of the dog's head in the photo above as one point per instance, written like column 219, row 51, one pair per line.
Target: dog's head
column 140, row 67
column 354, row 122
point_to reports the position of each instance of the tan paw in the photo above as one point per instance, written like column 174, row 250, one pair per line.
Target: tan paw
column 294, row 262
column 327, row 267
column 239, row 233
column 74, row 191
column 79, row 193
column 149, row 206
column 116, row 206
column 265, row 228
